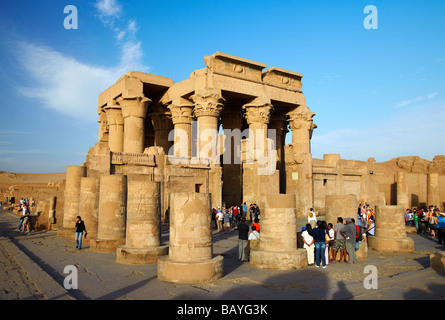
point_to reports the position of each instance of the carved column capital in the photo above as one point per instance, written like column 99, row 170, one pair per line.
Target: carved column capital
column 114, row 114
column 181, row 113
column 301, row 118
column 258, row 112
column 208, row 102
column 134, row 106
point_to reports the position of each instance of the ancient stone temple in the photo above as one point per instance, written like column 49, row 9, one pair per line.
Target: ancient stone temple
column 218, row 137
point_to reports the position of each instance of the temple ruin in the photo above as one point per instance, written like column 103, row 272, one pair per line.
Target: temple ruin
column 169, row 152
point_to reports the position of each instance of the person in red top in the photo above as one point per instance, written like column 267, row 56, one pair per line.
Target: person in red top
column 257, row 224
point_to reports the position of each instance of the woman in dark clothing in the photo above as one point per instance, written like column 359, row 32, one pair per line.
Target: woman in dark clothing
column 80, row 228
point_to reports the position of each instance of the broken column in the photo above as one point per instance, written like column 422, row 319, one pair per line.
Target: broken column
column 143, row 231
column 402, row 190
column 390, row 235
column 433, row 190
column 112, row 214
column 190, row 256
column 278, row 242
column 72, row 197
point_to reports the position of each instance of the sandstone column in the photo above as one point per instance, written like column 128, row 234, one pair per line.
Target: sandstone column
column 115, row 127
column 278, row 242
column 402, row 191
column 256, row 163
column 390, row 233
column 162, row 125
column 89, row 205
column 182, row 115
column 433, row 190
column 190, row 256
column 134, row 112
column 301, row 124
column 208, row 105
column 143, row 231
column 112, row 214
column 72, row 198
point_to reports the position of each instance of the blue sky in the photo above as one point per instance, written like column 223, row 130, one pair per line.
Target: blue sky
column 376, row 93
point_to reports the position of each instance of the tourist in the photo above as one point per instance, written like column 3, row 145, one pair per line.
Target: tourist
column 324, row 226
column 339, row 241
column 331, row 234
column 213, row 214
column 311, row 218
column 25, row 224
column 371, row 228
column 407, row 218
column 22, row 217
column 244, row 209
column 80, row 228
column 219, row 219
column 251, row 212
column 235, row 217
column 416, row 220
column 440, row 228
column 319, row 239
column 257, row 224
column 226, row 219
column 256, row 211
column 252, row 242
column 308, row 244
column 357, row 235
column 433, row 222
column 423, row 221
column 243, row 237
column 350, row 230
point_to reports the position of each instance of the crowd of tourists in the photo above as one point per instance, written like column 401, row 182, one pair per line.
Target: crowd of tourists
column 429, row 221
column 324, row 241
column 227, row 219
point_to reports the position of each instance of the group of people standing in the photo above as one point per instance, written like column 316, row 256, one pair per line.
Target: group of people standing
column 431, row 221
column 227, row 219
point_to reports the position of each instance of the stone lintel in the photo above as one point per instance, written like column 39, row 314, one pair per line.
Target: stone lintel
column 282, row 78
column 229, row 65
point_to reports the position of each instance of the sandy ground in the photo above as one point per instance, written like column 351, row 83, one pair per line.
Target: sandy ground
column 34, row 269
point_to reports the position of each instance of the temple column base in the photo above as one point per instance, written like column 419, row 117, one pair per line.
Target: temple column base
column 105, row 245
column 140, row 256
column 289, row 260
column 190, row 272
column 389, row 245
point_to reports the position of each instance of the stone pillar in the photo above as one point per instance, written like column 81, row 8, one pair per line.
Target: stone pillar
column 190, row 256
column 89, row 205
column 433, row 190
column 112, row 214
column 162, row 125
column 402, row 191
column 52, row 211
column 72, row 198
column 279, row 124
column 103, row 125
column 134, row 112
column 208, row 106
column 182, row 115
column 276, row 251
column 344, row 206
column 143, row 232
column 390, row 233
column 115, row 127
column 302, row 125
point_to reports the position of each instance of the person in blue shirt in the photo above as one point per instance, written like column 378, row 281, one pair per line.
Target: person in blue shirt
column 440, row 228
column 319, row 235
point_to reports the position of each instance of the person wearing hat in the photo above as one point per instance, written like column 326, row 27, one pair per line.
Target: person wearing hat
column 350, row 230
column 440, row 228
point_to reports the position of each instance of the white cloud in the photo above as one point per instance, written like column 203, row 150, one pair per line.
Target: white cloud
column 418, row 99
column 69, row 86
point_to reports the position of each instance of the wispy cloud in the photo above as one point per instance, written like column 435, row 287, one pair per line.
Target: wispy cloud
column 70, row 86
column 418, row 99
